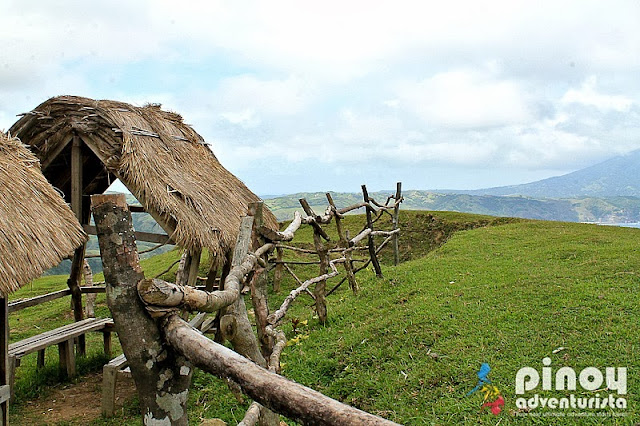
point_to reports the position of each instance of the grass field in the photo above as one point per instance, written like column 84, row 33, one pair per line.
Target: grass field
column 408, row 346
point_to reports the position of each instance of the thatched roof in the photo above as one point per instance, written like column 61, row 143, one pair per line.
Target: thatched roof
column 37, row 228
column 165, row 164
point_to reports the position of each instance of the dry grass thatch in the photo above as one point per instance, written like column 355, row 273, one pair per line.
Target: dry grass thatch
column 37, row 228
column 165, row 164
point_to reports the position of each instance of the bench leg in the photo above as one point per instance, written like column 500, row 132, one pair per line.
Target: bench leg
column 107, row 343
column 109, row 377
column 82, row 345
column 67, row 357
column 11, row 369
column 41, row 358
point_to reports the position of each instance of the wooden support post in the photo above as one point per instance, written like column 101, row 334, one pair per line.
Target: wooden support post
column 320, row 289
column 211, row 276
column 106, row 339
column 259, row 292
column 344, row 243
column 372, row 247
column 194, row 265
column 88, row 282
column 161, row 375
column 396, row 211
column 277, row 275
column 78, row 256
column 5, row 373
column 67, row 357
column 41, row 358
column 234, row 323
column 182, row 274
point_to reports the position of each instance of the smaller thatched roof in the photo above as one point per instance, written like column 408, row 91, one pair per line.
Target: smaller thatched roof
column 37, row 228
column 165, row 164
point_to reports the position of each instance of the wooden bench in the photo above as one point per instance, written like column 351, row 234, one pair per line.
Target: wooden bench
column 119, row 366
column 65, row 338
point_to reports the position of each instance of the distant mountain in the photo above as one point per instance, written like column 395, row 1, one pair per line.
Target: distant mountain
column 616, row 177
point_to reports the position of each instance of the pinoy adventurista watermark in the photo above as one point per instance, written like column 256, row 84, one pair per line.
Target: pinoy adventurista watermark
column 590, row 392
column 492, row 399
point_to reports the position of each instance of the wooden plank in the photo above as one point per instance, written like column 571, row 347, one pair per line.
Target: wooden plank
column 136, row 209
column 33, row 301
column 52, row 337
column 95, row 289
column 140, row 236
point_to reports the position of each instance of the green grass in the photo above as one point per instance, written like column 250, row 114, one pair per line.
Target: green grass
column 507, row 295
column 409, row 345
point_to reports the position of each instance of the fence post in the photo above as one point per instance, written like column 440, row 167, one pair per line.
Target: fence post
column 372, row 247
column 396, row 210
column 321, row 287
column 348, row 265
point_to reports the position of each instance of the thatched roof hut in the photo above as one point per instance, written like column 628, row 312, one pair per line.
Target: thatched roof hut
column 165, row 164
column 37, row 228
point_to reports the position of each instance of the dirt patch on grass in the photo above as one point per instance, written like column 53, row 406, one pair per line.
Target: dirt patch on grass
column 72, row 403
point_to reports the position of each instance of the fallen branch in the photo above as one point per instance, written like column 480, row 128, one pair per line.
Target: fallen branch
column 271, row 390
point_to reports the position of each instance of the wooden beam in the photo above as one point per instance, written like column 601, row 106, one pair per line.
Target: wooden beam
column 140, row 236
column 76, row 177
column 54, row 154
column 33, row 301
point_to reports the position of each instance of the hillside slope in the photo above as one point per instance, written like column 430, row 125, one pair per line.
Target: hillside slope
column 408, row 346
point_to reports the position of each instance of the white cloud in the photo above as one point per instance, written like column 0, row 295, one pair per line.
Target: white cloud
column 461, row 84
column 466, row 99
column 248, row 97
column 588, row 95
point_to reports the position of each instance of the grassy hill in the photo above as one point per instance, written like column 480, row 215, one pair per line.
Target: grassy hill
column 473, row 289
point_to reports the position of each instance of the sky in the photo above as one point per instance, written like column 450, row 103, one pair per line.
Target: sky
column 299, row 96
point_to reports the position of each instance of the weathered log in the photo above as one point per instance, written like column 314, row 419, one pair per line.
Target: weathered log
column 252, row 415
column 162, row 375
column 361, row 236
column 91, row 297
column 287, row 234
column 271, row 390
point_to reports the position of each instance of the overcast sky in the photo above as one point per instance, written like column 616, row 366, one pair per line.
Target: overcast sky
column 327, row 95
